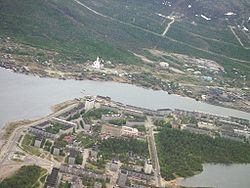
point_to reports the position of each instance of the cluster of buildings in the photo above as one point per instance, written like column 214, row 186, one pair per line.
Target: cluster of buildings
column 233, row 128
column 207, row 124
column 126, row 176
column 53, row 128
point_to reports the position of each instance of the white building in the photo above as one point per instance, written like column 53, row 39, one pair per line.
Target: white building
column 244, row 133
column 148, row 167
column 97, row 64
column 211, row 126
column 56, row 151
column 38, row 142
column 129, row 131
column 89, row 104
column 164, row 65
column 72, row 157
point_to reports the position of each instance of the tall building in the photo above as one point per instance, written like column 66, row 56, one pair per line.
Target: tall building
column 148, row 167
column 72, row 156
column 89, row 104
column 122, row 179
column 52, row 179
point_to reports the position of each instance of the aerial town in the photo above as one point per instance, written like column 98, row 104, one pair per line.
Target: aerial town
column 97, row 142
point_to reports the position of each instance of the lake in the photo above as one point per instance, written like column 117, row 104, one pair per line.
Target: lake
column 220, row 176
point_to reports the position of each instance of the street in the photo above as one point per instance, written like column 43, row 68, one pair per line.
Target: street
column 11, row 145
column 153, row 151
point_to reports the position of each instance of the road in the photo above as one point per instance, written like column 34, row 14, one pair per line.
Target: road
column 153, row 151
column 238, row 38
column 11, row 144
column 168, row 27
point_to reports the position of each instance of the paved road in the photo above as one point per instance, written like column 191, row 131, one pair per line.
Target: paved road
column 153, row 151
column 11, row 144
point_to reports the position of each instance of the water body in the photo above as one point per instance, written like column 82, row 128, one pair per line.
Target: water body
column 29, row 97
column 220, row 176
column 25, row 97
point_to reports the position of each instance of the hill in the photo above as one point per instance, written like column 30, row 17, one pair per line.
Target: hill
column 113, row 29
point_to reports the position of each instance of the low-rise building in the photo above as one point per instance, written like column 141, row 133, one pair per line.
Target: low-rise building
column 231, row 136
column 207, row 125
column 129, row 131
column 164, row 111
column 76, row 182
column 245, row 133
column 164, row 65
column 97, row 185
column 195, row 130
column 109, row 117
column 81, row 172
column 54, row 128
column 131, row 123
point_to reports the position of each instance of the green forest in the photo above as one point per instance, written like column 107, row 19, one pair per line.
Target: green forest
column 182, row 153
column 119, row 147
column 25, row 177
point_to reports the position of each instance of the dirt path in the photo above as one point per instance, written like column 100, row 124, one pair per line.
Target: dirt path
column 168, row 27
column 157, row 34
column 238, row 38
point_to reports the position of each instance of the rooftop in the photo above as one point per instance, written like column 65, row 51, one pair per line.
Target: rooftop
column 52, row 178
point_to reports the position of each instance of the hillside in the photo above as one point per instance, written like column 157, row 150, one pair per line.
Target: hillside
column 113, row 29
column 138, row 33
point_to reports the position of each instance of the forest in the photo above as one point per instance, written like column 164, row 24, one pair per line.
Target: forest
column 181, row 154
column 123, row 148
column 26, row 176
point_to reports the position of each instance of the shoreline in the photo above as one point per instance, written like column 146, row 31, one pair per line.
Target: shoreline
column 58, row 109
column 72, row 77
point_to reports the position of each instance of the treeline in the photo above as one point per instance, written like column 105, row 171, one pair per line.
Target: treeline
column 122, row 148
column 25, row 177
column 182, row 153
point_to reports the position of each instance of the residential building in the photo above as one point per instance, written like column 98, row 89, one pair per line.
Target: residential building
column 114, row 165
column 76, row 182
column 89, row 104
column 72, row 156
column 93, row 153
column 38, row 141
column 56, row 150
column 122, row 179
column 148, row 167
column 129, row 131
column 164, row 111
column 131, row 123
column 97, row 185
column 196, row 130
column 52, row 179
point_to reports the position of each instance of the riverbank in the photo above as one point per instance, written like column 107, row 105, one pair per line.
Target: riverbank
column 9, row 128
